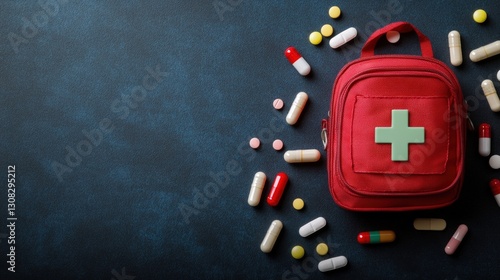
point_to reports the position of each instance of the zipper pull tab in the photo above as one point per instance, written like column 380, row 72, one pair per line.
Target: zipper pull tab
column 324, row 138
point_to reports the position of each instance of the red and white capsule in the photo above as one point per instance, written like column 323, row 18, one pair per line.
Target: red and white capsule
column 495, row 189
column 297, row 61
column 484, row 139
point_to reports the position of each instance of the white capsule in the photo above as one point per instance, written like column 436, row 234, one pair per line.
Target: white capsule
column 272, row 234
column 332, row 263
column 455, row 48
column 312, row 227
column 343, row 37
column 310, row 155
column 491, row 95
column 256, row 189
column 485, row 51
column 296, row 109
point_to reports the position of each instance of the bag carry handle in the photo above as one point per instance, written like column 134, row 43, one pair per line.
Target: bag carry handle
column 401, row 27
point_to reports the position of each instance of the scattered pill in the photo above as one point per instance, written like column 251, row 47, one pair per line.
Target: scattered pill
column 343, row 37
column 296, row 109
column 456, row 239
column 484, row 139
column 334, row 12
column 296, row 59
column 322, row 249
column 315, row 38
column 271, row 236
column 298, row 204
column 277, row 189
column 495, row 161
column 277, row 144
column 485, row 51
column 374, row 237
column 312, row 227
column 393, row 36
column 295, row 156
column 327, row 30
column 278, row 104
column 429, row 224
column 479, row 15
column 298, row 252
column 491, row 95
column 254, row 143
column 455, row 46
column 259, row 180
column 498, row 75
column 332, row 263
column 495, row 189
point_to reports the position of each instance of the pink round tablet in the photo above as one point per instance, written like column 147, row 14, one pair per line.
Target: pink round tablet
column 278, row 104
column 278, row 144
column 254, row 143
column 393, row 36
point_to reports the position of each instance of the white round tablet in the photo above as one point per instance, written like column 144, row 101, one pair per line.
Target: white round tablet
column 393, row 36
column 498, row 75
column 495, row 161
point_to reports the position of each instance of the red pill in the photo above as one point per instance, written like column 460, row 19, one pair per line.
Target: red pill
column 277, row 189
column 456, row 239
column 484, row 139
column 296, row 59
column 495, row 189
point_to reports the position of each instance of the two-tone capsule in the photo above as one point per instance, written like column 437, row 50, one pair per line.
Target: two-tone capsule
column 298, row 62
column 485, row 51
column 297, row 107
column 259, row 180
column 277, row 189
column 374, row 237
column 491, row 95
column 296, row 156
column 484, row 139
column 271, row 236
column 456, row 239
column 495, row 189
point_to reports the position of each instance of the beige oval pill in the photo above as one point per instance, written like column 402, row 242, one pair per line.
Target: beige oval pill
column 259, row 180
column 491, row 95
column 429, row 224
column 296, row 109
column 272, row 234
column 294, row 156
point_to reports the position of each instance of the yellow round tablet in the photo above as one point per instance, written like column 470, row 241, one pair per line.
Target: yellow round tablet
column 298, row 252
column 298, row 204
column 315, row 38
column 322, row 249
column 326, row 30
column 480, row 16
column 334, row 12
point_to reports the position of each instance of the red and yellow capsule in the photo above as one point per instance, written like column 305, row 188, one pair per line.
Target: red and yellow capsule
column 373, row 237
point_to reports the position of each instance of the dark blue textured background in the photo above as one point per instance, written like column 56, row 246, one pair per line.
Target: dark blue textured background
column 159, row 141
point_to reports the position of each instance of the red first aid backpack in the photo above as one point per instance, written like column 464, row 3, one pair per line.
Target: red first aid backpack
column 395, row 136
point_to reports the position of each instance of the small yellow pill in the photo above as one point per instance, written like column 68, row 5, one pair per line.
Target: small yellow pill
column 326, row 30
column 334, row 12
column 315, row 38
column 298, row 204
column 322, row 249
column 480, row 16
column 298, row 252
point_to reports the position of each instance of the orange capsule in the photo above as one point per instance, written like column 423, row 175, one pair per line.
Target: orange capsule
column 373, row 237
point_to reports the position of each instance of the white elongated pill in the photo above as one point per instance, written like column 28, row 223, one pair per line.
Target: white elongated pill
column 296, row 109
column 256, row 189
column 429, row 224
column 312, row 227
column 343, row 37
column 271, row 236
column 485, row 51
column 332, row 263
column 491, row 95
column 310, row 155
column 455, row 48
